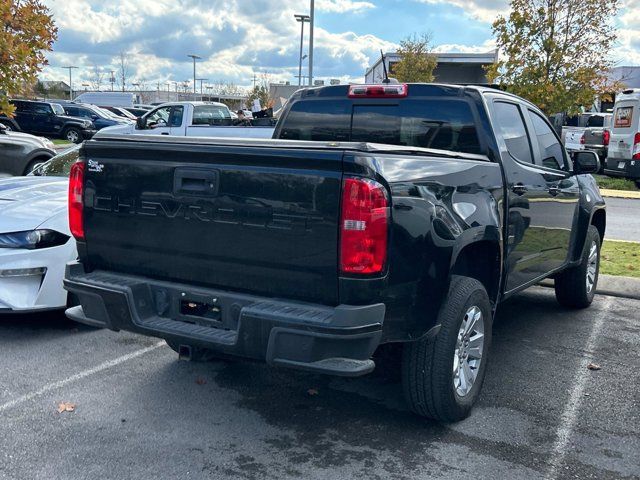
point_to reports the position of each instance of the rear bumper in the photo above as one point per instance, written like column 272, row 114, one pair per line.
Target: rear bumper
column 621, row 167
column 334, row 340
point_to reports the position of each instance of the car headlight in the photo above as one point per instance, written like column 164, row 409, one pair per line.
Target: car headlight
column 87, row 124
column 33, row 239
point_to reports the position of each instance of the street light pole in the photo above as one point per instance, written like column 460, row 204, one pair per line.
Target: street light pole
column 195, row 57
column 302, row 19
column 70, row 81
column 312, row 21
column 201, row 80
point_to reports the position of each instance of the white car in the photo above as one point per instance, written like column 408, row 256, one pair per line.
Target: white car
column 35, row 240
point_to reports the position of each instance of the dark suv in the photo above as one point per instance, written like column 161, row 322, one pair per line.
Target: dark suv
column 44, row 118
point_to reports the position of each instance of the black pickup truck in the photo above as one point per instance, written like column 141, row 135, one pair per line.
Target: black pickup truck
column 378, row 214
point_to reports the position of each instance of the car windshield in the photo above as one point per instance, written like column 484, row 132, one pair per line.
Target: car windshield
column 107, row 113
column 60, row 165
column 57, row 109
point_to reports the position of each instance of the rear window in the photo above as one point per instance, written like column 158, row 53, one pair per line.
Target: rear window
column 623, row 117
column 440, row 124
column 595, row 121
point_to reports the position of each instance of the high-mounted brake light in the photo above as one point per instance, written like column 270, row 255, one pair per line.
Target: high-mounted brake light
column 582, row 140
column 76, row 186
column 636, row 147
column 606, row 137
column 364, row 222
column 379, row 91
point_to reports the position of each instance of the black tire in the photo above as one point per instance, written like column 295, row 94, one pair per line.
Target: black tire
column 72, row 134
column 427, row 365
column 571, row 286
column 198, row 354
column 31, row 165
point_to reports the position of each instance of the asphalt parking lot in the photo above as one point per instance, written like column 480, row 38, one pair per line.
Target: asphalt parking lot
column 141, row 413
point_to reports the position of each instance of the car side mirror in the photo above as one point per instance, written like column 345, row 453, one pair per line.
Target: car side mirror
column 3, row 129
column 585, row 161
column 94, row 117
column 141, row 123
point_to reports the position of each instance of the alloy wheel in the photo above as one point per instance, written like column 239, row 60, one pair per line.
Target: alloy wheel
column 468, row 353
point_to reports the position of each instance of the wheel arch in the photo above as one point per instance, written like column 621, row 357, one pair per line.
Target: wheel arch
column 481, row 258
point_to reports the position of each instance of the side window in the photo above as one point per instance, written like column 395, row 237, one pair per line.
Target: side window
column 71, row 111
column 211, row 115
column 42, row 109
column 85, row 113
column 159, row 117
column 510, row 126
column 550, row 148
column 176, row 117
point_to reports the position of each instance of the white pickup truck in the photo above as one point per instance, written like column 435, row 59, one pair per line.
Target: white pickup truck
column 190, row 119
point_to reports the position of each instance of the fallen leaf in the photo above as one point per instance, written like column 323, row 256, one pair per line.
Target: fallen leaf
column 312, row 391
column 200, row 381
column 594, row 366
column 66, row 407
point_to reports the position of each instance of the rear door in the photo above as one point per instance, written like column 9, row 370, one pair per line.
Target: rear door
column 44, row 120
column 530, row 243
column 257, row 219
column 626, row 116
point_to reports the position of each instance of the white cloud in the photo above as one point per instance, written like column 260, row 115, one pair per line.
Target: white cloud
column 483, row 10
column 342, row 6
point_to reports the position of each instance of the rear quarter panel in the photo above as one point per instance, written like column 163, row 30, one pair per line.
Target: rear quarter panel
column 439, row 206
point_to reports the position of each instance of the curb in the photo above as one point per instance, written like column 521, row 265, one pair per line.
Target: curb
column 605, row 192
column 621, row 287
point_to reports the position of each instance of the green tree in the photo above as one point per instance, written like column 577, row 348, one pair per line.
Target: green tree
column 27, row 32
column 556, row 53
column 417, row 62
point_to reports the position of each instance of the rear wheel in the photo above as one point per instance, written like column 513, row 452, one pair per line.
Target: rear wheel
column 73, row 135
column 576, row 287
column 32, row 165
column 442, row 376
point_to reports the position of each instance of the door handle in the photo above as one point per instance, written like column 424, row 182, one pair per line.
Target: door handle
column 519, row 189
column 554, row 190
column 164, row 133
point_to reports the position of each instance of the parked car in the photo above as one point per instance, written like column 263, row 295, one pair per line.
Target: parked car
column 624, row 145
column 311, row 250
column 113, row 99
column 573, row 128
column 191, row 119
column 100, row 118
column 597, row 134
column 35, row 241
column 120, row 112
column 21, row 152
column 44, row 118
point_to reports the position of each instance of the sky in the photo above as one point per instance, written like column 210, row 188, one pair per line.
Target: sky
column 238, row 39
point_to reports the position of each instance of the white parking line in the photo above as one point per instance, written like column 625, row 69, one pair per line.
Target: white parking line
column 79, row 376
column 570, row 414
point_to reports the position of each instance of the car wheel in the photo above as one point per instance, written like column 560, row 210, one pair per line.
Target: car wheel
column 442, row 376
column 73, row 135
column 32, row 165
column 191, row 353
column 576, row 286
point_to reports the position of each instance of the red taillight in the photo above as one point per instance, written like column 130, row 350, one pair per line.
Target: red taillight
column 636, row 147
column 582, row 139
column 379, row 91
column 606, row 136
column 364, row 222
column 76, row 186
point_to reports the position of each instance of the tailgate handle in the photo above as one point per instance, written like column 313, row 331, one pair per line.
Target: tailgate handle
column 195, row 182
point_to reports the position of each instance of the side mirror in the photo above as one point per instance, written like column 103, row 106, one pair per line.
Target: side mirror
column 94, row 117
column 585, row 161
column 3, row 129
column 141, row 123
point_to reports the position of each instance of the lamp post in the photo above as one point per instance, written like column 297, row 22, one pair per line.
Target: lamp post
column 201, row 80
column 195, row 57
column 301, row 19
column 70, row 81
column 311, row 25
